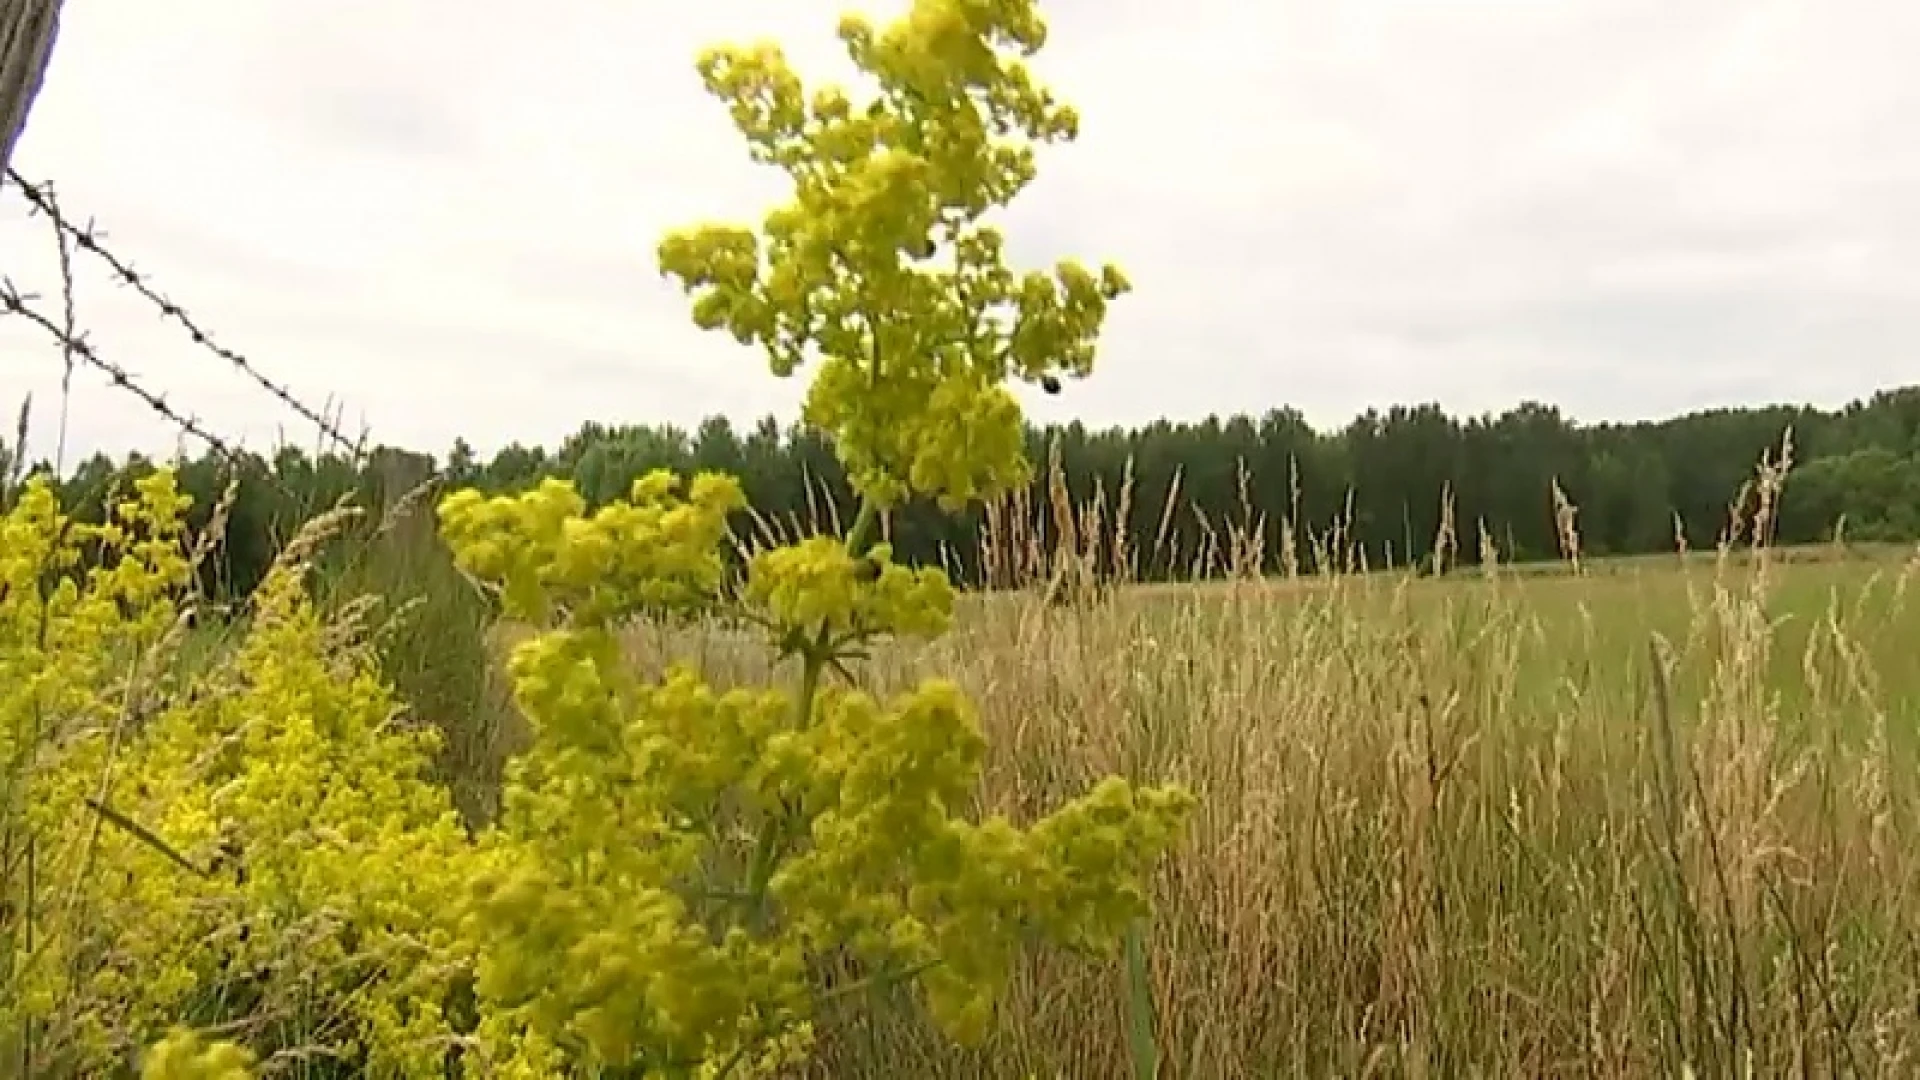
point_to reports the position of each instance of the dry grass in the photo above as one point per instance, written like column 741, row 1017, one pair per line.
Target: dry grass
column 1609, row 822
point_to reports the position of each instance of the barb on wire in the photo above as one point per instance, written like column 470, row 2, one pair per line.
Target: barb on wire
column 90, row 238
column 15, row 302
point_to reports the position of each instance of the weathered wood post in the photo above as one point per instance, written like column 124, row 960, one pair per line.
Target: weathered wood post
column 406, row 512
column 27, row 30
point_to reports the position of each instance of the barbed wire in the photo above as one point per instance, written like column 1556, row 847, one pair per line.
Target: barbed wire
column 91, row 238
column 75, row 345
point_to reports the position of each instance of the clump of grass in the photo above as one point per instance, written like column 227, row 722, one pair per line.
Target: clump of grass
column 433, row 635
column 1079, row 561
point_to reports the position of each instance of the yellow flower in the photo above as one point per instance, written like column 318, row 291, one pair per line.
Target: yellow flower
column 914, row 350
column 183, row 1055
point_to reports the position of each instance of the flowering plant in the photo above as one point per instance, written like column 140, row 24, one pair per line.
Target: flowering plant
column 684, row 860
column 680, row 877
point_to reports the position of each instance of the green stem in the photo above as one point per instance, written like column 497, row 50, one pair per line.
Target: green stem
column 1146, row 1054
column 773, row 831
column 864, row 523
column 879, row 981
column 733, row 1062
column 769, row 846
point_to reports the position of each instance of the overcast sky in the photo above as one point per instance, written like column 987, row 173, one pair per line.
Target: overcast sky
column 444, row 214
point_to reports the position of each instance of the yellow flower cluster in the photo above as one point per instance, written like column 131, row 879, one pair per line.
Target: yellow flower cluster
column 893, row 875
column 64, row 634
column 205, row 839
column 649, row 813
column 183, row 1055
column 653, row 552
column 914, row 347
column 825, row 592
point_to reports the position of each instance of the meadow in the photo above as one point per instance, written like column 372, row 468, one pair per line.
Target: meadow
column 1610, row 818
column 1459, row 819
column 1603, row 818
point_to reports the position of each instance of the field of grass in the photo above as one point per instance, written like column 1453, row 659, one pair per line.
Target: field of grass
column 1611, row 819
column 1606, row 823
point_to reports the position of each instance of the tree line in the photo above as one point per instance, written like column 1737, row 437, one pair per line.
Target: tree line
column 1385, row 479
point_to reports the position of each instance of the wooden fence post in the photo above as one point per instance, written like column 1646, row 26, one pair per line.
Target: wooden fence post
column 27, row 32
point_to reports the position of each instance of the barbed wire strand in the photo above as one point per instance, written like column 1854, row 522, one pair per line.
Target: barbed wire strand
column 15, row 302
column 91, row 239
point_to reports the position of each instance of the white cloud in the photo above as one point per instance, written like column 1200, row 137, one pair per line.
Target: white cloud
column 444, row 215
